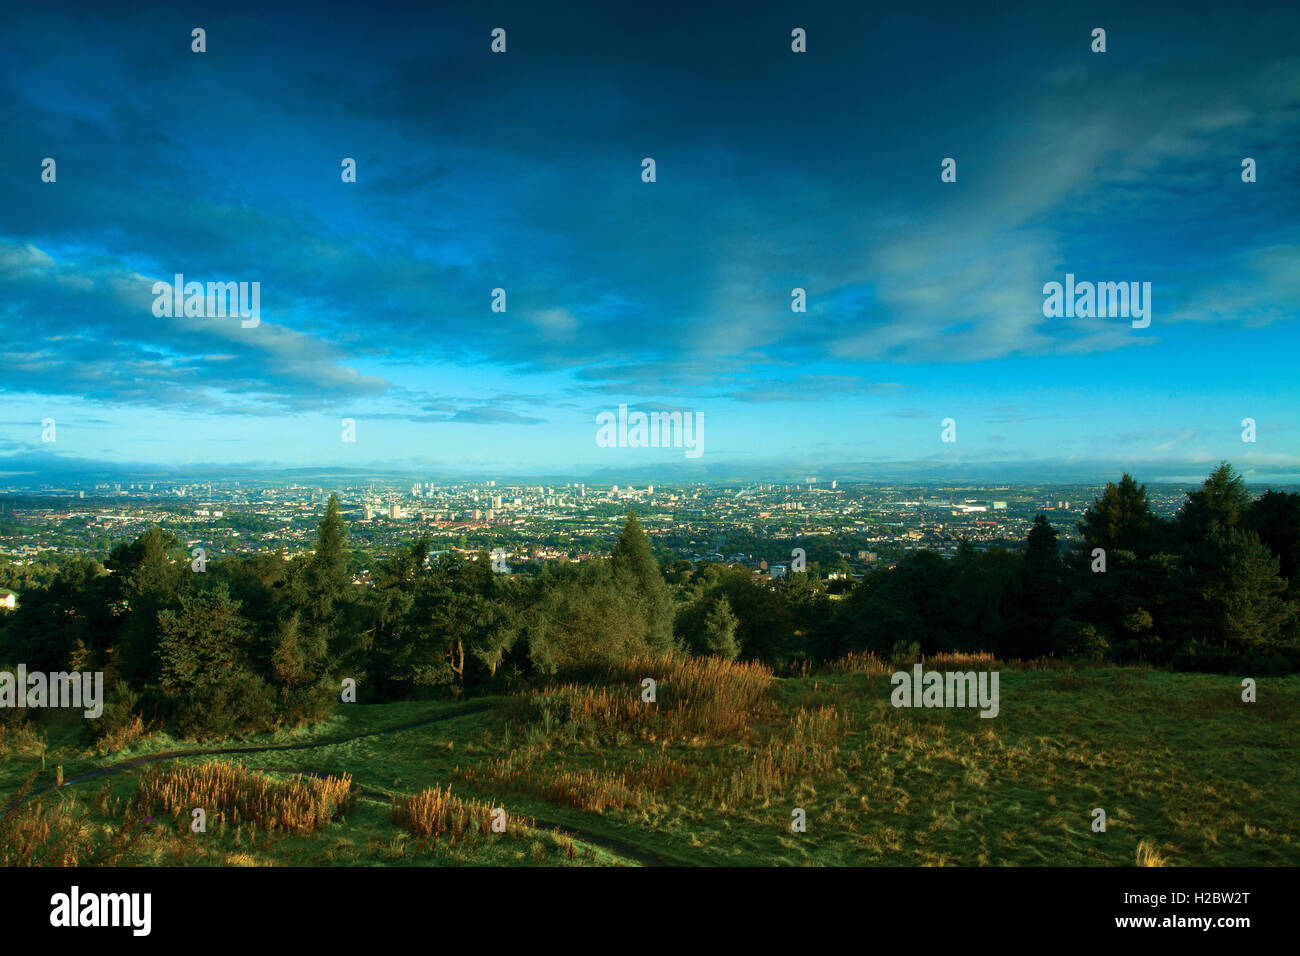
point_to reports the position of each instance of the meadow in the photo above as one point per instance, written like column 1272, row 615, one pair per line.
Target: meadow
column 710, row 773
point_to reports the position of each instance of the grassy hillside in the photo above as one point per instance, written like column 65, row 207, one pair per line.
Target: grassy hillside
column 709, row 774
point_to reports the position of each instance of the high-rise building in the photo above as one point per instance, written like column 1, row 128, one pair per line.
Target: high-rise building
column 395, row 511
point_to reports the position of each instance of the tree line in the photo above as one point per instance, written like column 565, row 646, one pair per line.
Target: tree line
column 258, row 642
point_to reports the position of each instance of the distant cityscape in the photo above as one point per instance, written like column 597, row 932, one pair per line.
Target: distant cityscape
column 846, row 528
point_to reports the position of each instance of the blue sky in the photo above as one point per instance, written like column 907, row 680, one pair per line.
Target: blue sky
column 775, row 170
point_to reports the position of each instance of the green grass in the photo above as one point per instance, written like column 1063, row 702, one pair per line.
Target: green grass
column 1182, row 767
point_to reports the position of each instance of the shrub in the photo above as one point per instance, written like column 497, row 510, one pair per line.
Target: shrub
column 904, row 653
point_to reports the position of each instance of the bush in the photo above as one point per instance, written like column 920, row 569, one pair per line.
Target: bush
column 904, row 653
column 221, row 709
column 1080, row 641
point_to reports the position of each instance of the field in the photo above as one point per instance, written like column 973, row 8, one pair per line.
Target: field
column 711, row 773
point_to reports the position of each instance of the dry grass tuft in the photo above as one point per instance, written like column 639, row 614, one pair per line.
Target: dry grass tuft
column 595, row 790
column 436, row 812
column 1148, row 855
column 693, row 696
column 229, row 793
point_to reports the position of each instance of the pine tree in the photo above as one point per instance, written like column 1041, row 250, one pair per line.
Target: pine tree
column 632, row 552
column 1040, row 586
column 720, row 630
column 1216, row 507
column 149, row 575
column 1244, row 598
column 202, row 653
column 1275, row 517
column 201, row 643
column 1121, row 519
column 637, row 571
column 327, row 571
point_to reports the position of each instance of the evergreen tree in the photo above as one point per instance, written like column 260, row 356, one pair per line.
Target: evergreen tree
column 1243, row 609
column 319, row 627
column 1216, row 507
column 720, row 630
column 148, row 576
column 203, row 666
column 638, row 574
column 1275, row 517
column 581, row 618
column 1121, row 519
column 326, row 575
column 52, row 623
column 1040, row 592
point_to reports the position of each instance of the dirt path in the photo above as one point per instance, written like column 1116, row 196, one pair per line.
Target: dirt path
column 146, row 759
column 639, row 854
column 642, row 856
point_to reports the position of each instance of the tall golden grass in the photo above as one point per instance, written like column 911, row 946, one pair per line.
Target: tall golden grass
column 960, row 660
column 858, row 662
column 436, row 812
column 55, row 830
column 20, row 739
column 805, row 747
column 1149, row 855
column 706, row 696
column 527, row 770
column 229, row 793
column 866, row 662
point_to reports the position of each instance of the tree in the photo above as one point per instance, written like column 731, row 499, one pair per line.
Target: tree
column 911, row 603
column 318, row 635
column 52, row 623
column 1216, row 507
column 149, row 575
column 201, row 642
column 326, row 573
column 203, row 666
column 1243, row 608
column 637, row 573
column 1040, row 588
column 1275, row 517
column 720, row 630
column 578, row 618
column 1121, row 519
column 260, row 583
